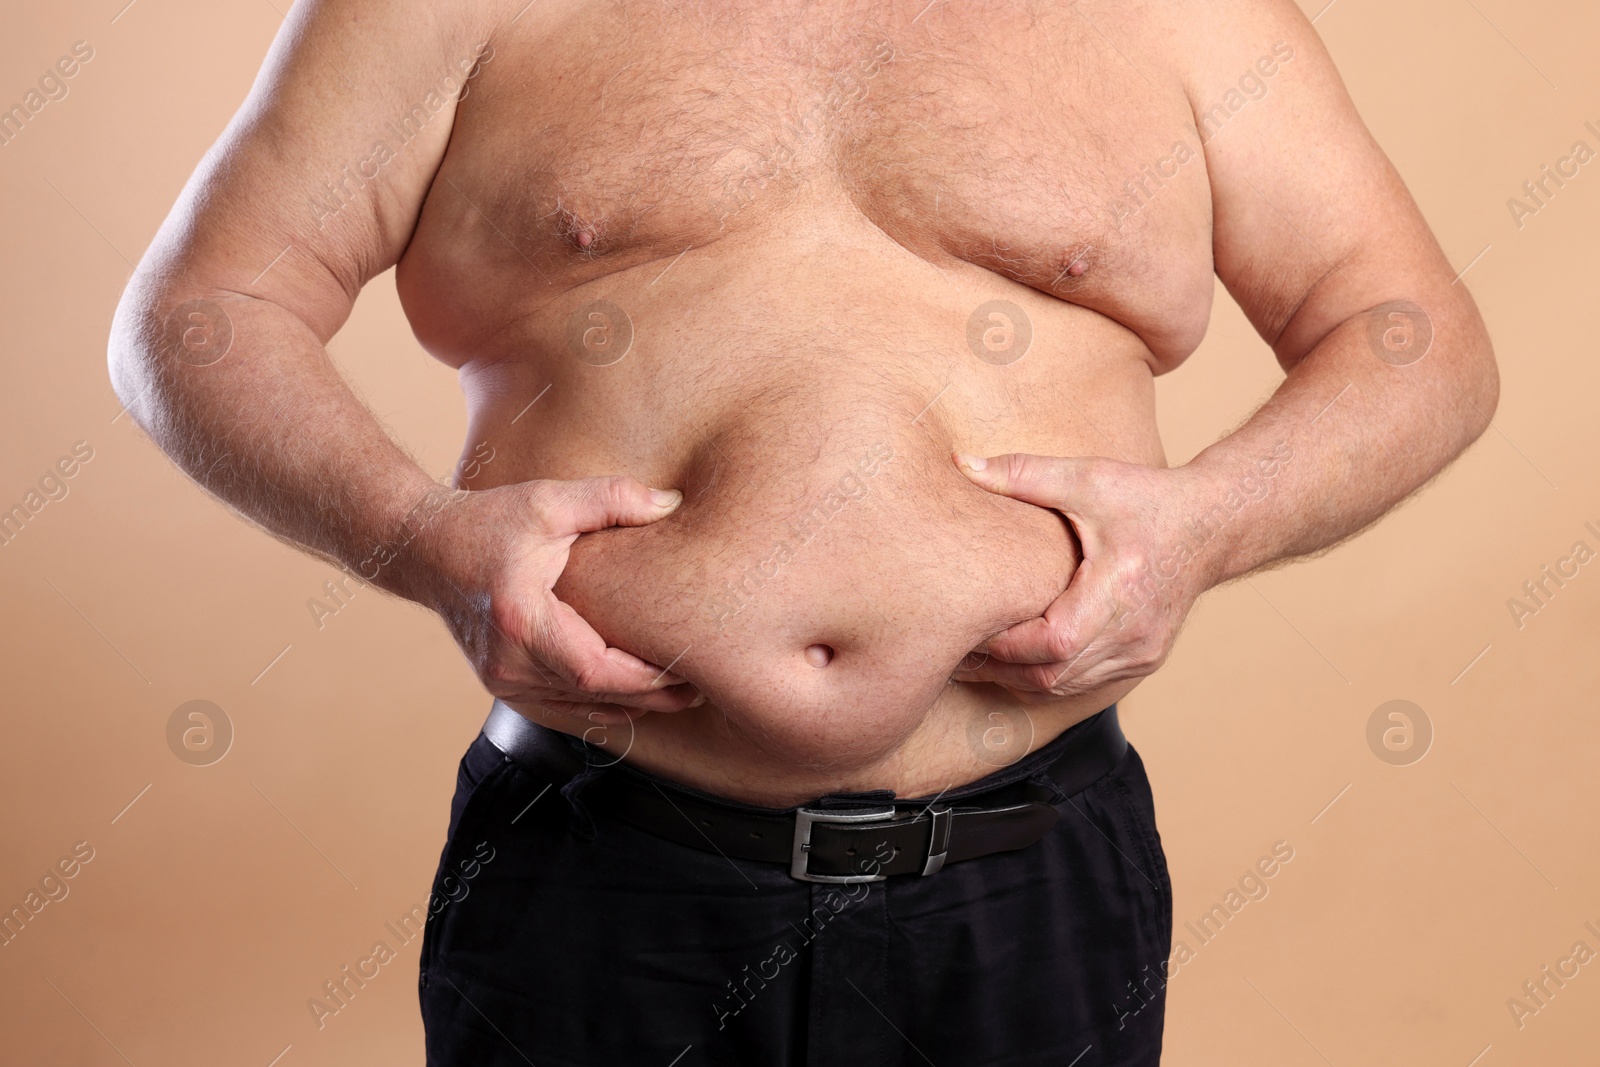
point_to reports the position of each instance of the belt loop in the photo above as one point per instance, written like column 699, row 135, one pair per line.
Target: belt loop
column 1045, row 789
column 938, row 840
column 582, row 822
column 547, row 756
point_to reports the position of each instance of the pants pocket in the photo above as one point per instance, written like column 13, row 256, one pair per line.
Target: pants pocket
column 1128, row 790
column 462, row 858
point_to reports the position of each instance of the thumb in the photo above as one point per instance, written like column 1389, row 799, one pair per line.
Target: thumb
column 588, row 504
column 1048, row 481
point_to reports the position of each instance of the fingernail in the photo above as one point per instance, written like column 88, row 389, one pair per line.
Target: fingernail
column 666, row 498
column 697, row 701
column 975, row 463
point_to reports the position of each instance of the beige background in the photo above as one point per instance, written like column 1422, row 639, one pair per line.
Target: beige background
column 224, row 896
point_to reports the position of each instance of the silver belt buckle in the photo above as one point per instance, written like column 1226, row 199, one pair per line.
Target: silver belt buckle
column 806, row 818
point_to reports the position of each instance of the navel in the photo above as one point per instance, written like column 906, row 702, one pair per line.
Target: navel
column 819, row 655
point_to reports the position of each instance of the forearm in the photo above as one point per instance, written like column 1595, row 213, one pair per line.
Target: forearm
column 1361, row 433
column 271, row 427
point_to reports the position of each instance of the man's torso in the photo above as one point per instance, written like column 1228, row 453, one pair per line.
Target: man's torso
column 787, row 224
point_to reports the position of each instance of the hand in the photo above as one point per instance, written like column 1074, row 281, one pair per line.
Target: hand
column 1140, row 574
column 491, row 559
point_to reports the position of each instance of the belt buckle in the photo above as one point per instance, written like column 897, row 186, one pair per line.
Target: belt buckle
column 806, row 818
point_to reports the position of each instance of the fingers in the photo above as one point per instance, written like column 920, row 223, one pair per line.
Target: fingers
column 583, row 665
column 1071, row 622
column 1039, row 683
column 521, row 684
column 541, row 648
column 676, row 698
column 600, row 715
column 588, row 504
column 1032, row 641
column 1026, row 680
column 610, row 707
column 1048, row 481
column 1044, row 654
column 525, row 643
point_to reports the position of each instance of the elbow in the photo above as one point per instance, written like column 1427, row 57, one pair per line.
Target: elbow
column 1468, row 381
column 1481, row 387
column 133, row 351
column 148, row 333
column 1489, row 387
column 127, row 373
column 125, row 361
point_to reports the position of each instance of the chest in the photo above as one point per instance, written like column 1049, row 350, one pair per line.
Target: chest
column 1015, row 141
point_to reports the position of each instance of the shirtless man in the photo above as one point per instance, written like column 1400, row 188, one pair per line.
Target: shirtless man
column 788, row 267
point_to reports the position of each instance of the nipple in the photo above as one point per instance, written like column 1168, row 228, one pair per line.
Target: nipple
column 1076, row 267
column 819, row 655
column 585, row 239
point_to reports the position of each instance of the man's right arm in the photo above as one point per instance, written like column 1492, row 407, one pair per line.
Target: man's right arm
column 217, row 349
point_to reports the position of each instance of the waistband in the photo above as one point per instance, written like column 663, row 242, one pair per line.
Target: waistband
column 842, row 838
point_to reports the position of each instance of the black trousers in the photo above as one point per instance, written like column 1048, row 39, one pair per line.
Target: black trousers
column 560, row 937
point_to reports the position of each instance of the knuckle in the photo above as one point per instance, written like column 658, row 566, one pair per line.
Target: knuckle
column 548, row 506
column 1153, row 656
column 1036, row 472
column 620, row 486
column 585, row 677
column 1059, row 644
column 500, row 672
column 507, row 615
column 1042, row 677
column 612, row 492
column 1022, row 469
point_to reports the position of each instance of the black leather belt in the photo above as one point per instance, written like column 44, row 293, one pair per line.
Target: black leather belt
column 859, row 838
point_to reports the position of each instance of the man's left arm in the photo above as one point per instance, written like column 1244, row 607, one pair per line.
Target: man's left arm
column 1390, row 376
